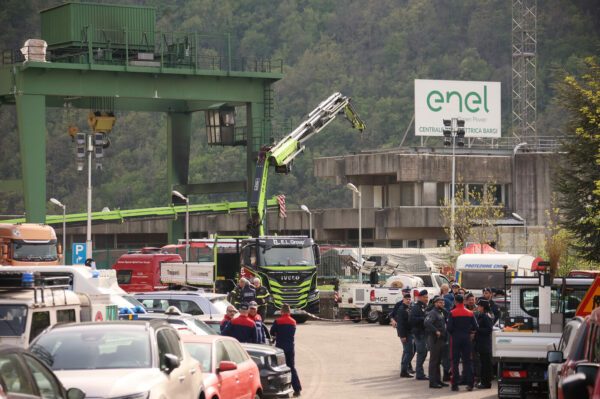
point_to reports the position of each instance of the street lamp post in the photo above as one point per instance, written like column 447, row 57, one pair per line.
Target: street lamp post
column 305, row 209
column 453, row 128
column 522, row 219
column 64, row 230
column 187, row 222
column 357, row 191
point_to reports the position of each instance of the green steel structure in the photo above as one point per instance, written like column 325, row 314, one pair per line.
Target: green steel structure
column 123, row 215
column 107, row 57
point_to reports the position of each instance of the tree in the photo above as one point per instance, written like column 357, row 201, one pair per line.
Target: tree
column 578, row 179
column 476, row 211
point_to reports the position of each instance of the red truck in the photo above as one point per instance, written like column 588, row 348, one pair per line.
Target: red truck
column 140, row 271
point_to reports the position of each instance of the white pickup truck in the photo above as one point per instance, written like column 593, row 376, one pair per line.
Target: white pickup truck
column 374, row 303
column 536, row 317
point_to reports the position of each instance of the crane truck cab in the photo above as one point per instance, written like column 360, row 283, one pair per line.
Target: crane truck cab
column 28, row 244
column 28, row 307
column 287, row 267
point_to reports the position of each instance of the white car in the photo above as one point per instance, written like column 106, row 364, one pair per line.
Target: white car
column 121, row 359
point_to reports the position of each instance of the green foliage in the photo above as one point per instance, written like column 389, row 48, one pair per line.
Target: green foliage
column 371, row 51
column 579, row 176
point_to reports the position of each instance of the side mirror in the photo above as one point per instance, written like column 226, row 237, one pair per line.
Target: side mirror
column 317, row 254
column 575, row 387
column 590, row 370
column 226, row 366
column 555, row 357
column 75, row 393
column 171, row 362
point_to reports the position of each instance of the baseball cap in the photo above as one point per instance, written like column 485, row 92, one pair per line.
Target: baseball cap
column 244, row 306
column 437, row 298
column 423, row 293
column 469, row 295
column 454, row 285
column 253, row 304
column 488, row 289
column 407, row 296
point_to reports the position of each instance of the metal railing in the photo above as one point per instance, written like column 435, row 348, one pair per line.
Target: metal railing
column 151, row 49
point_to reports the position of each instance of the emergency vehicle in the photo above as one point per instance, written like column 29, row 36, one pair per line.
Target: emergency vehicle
column 28, row 306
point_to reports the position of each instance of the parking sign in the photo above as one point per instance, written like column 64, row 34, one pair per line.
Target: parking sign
column 79, row 253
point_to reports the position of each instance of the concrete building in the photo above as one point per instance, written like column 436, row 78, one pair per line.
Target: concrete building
column 401, row 190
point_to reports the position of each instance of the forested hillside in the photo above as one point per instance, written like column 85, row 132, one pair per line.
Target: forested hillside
column 371, row 51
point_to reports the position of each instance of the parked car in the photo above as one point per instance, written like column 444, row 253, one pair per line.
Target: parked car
column 585, row 348
column 564, row 345
column 228, row 370
column 182, row 322
column 197, row 303
column 275, row 375
column 132, row 359
column 22, row 375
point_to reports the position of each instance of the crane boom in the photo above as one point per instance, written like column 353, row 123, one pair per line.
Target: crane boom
column 281, row 154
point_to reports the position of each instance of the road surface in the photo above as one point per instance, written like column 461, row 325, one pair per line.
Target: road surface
column 348, row 360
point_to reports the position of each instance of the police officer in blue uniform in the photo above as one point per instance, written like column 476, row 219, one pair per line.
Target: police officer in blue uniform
column 416, row 318
column 284, row 329
column 399, row 318
column 483, row 343
column 462, row 327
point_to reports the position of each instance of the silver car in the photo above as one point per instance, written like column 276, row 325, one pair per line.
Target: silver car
column 564, row 345
column 121, row 359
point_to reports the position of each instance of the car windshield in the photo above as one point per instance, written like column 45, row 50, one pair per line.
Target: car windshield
column 221, row 304
column 202, row 353
column 134, row 302
column 94, row 348
column 288, row 256
column 13, row 319
column 31, row 251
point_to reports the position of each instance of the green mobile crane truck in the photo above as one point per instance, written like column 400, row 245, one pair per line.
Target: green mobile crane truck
column 287, row 265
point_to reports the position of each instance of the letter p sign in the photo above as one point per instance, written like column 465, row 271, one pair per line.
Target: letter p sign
column 79, row 251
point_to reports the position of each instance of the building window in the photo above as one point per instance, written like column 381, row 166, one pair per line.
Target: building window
column 413, row 244
column 475, row 192
column 397, row 244
column 442, row 243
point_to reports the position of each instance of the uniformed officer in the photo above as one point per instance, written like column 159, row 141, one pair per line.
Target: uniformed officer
column 258, row 321
column 284, row 329
column 399, row 319
column 242, row 327
column 415, row 319
column 435, row 327
column 262, row 297
column 235, row 296
column 487, row 294
column 461, row 326
column 483, row 343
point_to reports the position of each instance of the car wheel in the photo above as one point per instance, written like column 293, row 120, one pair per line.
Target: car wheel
column 372, row 316
column 257, row 395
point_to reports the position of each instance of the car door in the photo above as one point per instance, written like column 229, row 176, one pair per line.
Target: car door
column 246, row 371
column 177, row 386
column 48, row 385
column 229, row 381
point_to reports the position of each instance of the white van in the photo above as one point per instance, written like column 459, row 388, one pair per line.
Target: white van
column 474, row 272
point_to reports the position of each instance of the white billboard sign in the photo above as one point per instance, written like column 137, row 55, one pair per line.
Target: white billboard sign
column 201, row 273
column 478, row 103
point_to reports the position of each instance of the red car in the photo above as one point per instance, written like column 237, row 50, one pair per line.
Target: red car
column 227, row 369
column 585, row 348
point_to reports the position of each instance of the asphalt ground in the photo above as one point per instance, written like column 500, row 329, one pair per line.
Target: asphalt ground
column 360, row 360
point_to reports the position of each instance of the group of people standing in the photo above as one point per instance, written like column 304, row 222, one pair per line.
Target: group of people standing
column 454, row 327
column 250, row 300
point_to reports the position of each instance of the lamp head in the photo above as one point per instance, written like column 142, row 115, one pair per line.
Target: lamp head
column 353, row 188
column 56, row 202
column 179, row 195
column 305, row 208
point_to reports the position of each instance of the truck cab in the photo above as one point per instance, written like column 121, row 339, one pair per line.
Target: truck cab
column 537, row 313
column 140, row 271
column 28, row 244
column 287, row 267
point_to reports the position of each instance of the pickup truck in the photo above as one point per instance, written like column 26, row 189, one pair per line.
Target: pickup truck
column 374, row 303
column 536, row 317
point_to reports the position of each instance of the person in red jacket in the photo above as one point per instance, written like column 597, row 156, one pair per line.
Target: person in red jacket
column 462, row 327
column 228, row 316
column 284, row 329
column 242, row 327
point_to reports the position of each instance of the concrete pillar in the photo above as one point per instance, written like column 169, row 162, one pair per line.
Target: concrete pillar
column 31, row 119
column 179, row 137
